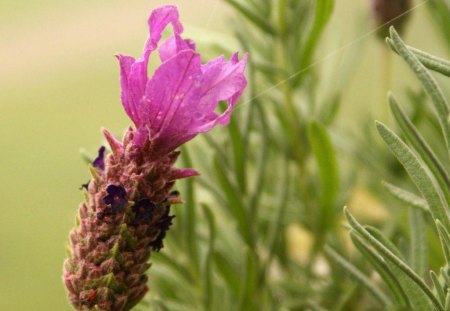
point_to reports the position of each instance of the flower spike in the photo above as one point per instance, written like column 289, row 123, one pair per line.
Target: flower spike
column 126, row 213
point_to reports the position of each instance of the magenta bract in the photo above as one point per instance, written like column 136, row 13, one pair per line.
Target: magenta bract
column 179, row 100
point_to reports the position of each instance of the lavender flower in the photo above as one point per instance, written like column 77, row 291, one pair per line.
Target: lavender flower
column 127, row 211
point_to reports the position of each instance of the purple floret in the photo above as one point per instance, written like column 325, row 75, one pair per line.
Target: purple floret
column 163, row 224
column 116, row 198
column 99, row 162
column 143, row 211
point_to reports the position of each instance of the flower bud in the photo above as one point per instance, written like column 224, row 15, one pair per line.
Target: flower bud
column 390, row 13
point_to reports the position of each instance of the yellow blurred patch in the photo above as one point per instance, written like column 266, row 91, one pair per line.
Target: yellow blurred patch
column 366, row 207
column 299, row 242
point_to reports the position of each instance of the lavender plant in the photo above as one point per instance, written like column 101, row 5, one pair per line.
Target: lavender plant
column 403, row 270
column 274, row 168
column 126, row 212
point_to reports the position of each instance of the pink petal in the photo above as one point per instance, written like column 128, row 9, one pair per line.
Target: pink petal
column 183, row 96
column 133, row 74
column 171, row 92
column 222, row 81
column 115, row 145
column 178, row 173
column 173, row 45
column 125, row 67
column 158, row 21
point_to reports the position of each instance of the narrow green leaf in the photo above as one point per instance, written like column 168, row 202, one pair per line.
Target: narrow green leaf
column 162, row 258
column 445, row 275
column 189, row 221
column 407, row 197
column 447, row 300
column 417, row 290
column 208, row 297
column 262, row 163
column 421, row 147
column 419, row 249
column 228, row 272
column 218, row 149
column 323, row 12
column 328, row 170
column 264, row 7
column 383, row 240
column 239, row 154
column 252, row 17
column 381, row 267
column 214, row 189
column 430, row 61
column 445, row 241
column 437, row 286
column 358, row 276
column 417, row 173
column 247, row 296
column 429, row 83
column 419, row 300
column 329, row 110
column 235, row 205
column 276, row 227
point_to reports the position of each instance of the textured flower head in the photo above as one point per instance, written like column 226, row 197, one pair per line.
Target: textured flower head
column 179, row 100
column 126, row 213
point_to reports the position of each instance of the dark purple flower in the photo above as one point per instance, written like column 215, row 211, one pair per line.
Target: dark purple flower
column 116, row 198
column 143, row 210
column 99, row 161
column 163, row 224
column 180, row 99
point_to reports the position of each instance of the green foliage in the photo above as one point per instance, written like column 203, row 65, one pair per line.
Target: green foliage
column 329, row 177
column 440, row 11
column 406, row 279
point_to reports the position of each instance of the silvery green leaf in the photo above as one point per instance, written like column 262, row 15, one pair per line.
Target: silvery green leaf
column 419, row 249
column 409, row 198
column 359, row 276
column 430, row 61
column 429, row 83
column 417, row 291
column 417, row 172
column 421, row 147
column 381, row 267
column 324, row 154
column 437, row 286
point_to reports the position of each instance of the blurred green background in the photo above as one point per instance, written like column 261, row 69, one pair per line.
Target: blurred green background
column 59, row 85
